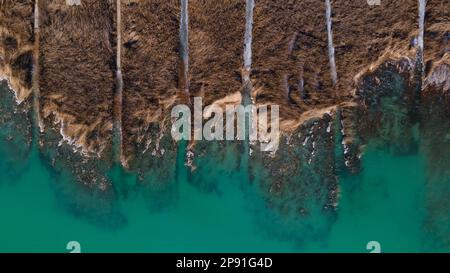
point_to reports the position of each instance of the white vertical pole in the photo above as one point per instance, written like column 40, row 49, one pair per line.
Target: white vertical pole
column 330, row 43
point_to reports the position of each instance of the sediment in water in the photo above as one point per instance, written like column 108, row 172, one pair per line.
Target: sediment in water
column 216, row 42
column 150, row 66
column 15, row 135
column 77, row 83
column 16, row 68
column 435, row 136
column 435, row 125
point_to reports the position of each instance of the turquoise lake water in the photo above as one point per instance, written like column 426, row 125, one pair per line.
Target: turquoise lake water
column 386, row 202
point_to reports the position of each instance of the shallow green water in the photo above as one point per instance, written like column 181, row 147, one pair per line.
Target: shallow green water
column 385, row 203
